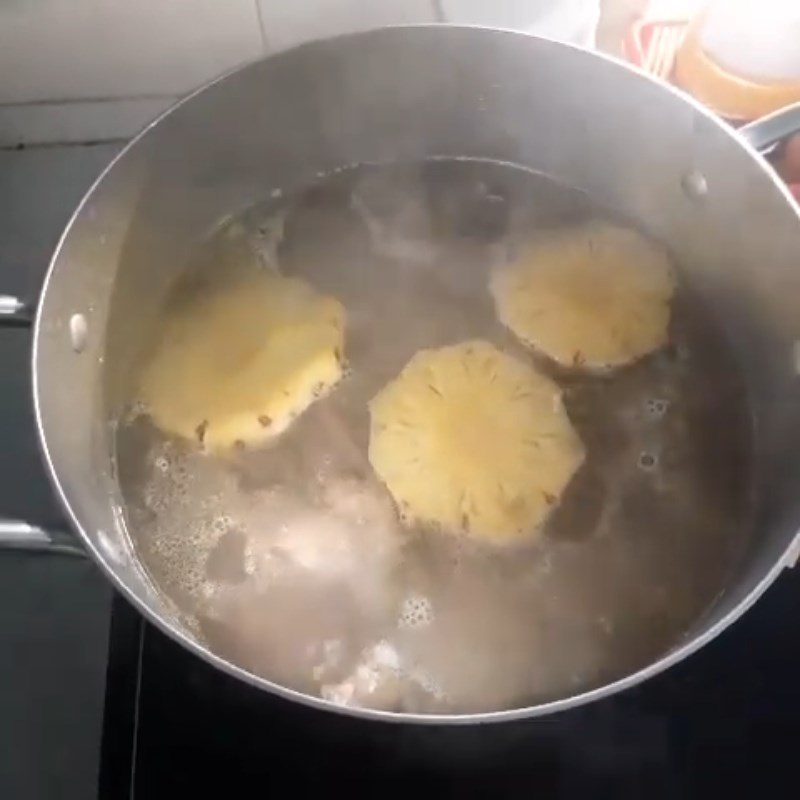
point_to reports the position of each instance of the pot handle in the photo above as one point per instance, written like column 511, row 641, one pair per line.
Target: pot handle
column 14, row 312
column 766, row 132
column 18, row 535
column 15, row 534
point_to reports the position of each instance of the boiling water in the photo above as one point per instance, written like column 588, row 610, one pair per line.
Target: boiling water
column 290, row 560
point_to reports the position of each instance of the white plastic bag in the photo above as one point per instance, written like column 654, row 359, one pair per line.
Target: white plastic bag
column 756, row 39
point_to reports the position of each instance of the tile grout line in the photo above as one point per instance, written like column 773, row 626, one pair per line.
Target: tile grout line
column 76, row 100
column 20, row 147
column 260, row 18
column 77, row 122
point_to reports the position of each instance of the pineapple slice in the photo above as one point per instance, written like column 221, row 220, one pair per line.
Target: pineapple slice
column 595, row 296
column 236, row 366
column 472, row 440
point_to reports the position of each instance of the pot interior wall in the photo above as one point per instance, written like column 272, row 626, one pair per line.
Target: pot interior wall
column 409, row 94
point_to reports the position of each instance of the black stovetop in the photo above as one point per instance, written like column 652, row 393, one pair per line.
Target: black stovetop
column 725, row 722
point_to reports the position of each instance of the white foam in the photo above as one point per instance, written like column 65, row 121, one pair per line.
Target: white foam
column 377, row 668
column 426, row 682
column 250, row 559
column 385, row 655
column 340, row 694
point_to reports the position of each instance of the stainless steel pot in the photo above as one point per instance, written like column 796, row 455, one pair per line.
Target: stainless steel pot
column 410, row 93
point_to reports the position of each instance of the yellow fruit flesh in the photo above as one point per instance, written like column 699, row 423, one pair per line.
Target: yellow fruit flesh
column 237, row 366
column 472, row 440
column 594, row 296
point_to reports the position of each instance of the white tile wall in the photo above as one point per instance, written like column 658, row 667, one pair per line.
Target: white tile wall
column 286, row 23
column 85, row 121
column 78, row 70
column 75, row 49
column 567, row 20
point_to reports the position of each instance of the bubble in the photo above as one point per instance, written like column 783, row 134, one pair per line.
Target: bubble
column 647, row 462
column 180, row 473
column 416, row 611
column 181, row 495
column 136, row 409
column 221, row 524
column 656, row 408
column 193, row 577
column 161, row 464
column 160, row 546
